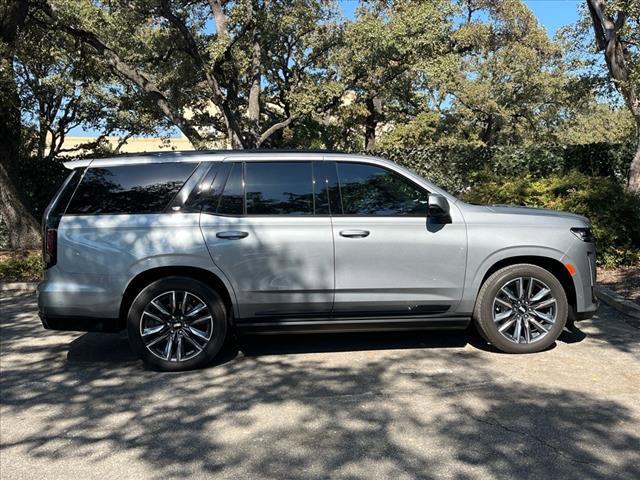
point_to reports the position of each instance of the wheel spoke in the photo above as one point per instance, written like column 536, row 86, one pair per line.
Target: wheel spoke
column 168, row 348
column 527, row 330
column 190, row 339
column 153, row 330
column 530, row 288
column 508, row 293
column 173, row 302
column 520, row 283
column 538, row 325
column 196, row 310
column 179, row 349
column 516, row 334
column 503, row 316
column 157, row 340
column 197, row 333
column 506, row 325
column 540, row 295
column 544, row 303
column 160, row 308
column 544, row 317
column 153, row 316
column 504, row 303
column 184, row 302
column 199, row 320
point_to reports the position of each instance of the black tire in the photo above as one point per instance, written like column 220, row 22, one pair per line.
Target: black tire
column 484, row 308
column 216, row 327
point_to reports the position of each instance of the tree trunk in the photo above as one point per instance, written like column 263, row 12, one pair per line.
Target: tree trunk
column 23, row 228
column 24, row 232
column 374, row 113
column 634, row 170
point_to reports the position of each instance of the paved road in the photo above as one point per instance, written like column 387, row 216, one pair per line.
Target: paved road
column 418, row 405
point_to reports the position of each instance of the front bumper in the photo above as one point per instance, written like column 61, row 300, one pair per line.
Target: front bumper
column 582, row 255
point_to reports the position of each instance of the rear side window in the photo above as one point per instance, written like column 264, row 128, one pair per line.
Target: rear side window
column 62, row 198
column 129, row 188
column 279, row 188
column 372, row 190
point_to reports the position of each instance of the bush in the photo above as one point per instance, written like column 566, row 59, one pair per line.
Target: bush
column 451, row 166
column 614, row 213
column 20, row 267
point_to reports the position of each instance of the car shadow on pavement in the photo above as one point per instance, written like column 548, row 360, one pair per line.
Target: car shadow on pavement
column 424, row 409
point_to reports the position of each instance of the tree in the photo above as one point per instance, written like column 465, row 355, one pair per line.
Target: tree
column 22, row 228
column 62, row 87
column 253, row 74
column 511, row 85
column 616, row 26
column 392, row 54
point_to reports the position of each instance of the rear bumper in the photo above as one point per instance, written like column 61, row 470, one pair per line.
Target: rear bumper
column 81, row 324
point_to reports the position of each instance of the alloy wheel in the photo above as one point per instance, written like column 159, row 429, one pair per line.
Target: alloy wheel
column 176, row 326
column 524, row 310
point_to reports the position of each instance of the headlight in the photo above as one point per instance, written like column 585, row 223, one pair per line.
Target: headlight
column 584, row 233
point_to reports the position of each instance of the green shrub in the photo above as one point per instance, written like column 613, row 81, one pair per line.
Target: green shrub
column 21, row 268
column 451, row 166
column 614, row 213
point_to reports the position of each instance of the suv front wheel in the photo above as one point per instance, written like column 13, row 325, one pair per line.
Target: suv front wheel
column 521, row 309
column 177, row 323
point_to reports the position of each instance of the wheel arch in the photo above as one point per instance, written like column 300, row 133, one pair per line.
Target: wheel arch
column 550, row 264
column 142, row 279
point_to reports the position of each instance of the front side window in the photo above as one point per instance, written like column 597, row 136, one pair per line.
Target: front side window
column 279, row 188
column 372, row 190
column 129, row 189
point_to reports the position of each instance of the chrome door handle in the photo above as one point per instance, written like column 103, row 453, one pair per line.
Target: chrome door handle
column 232, row 235
column 355, row 233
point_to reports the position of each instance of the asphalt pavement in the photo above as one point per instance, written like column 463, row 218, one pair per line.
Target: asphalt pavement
column 352, row 406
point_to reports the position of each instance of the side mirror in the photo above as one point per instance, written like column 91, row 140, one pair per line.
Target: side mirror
column 438, row 209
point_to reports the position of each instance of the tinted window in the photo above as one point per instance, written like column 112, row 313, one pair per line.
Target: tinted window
column 129, row 189
column 66, row 191
column 279, row 188
column 206, row 193
column 371, row 190
column 232, row 199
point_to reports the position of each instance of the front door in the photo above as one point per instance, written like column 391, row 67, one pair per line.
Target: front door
column 264, row 231
column 389, row 259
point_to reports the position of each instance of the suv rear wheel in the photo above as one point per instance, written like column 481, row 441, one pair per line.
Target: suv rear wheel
column 177, row 323
column 521, row 309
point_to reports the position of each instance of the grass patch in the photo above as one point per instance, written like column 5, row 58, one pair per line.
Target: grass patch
column 20, row 266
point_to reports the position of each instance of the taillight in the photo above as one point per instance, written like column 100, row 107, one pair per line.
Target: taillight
column 50, row 247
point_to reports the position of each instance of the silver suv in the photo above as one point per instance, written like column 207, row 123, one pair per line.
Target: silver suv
column 183, row 248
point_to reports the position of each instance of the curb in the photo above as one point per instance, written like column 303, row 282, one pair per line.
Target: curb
column 18, row 286
column 618, row 302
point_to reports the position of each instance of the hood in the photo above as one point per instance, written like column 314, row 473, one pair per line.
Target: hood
column 540, row 212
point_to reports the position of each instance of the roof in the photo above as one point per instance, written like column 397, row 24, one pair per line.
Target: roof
column 251, row 155
column 204, row 155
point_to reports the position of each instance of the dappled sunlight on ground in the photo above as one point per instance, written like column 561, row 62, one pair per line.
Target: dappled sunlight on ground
column 409, row 405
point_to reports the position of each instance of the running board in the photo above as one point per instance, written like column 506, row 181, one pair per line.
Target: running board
column 372, row 324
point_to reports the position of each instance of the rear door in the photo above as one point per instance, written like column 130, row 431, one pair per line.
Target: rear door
column 266, row 230
column 389, row 259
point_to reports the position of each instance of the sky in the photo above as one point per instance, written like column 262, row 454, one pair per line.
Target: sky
column 552, row 14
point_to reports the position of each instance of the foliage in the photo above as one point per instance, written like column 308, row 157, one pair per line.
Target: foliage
column 614, row 212
column 21, row 267
column 512, row 85
column 452, row 166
